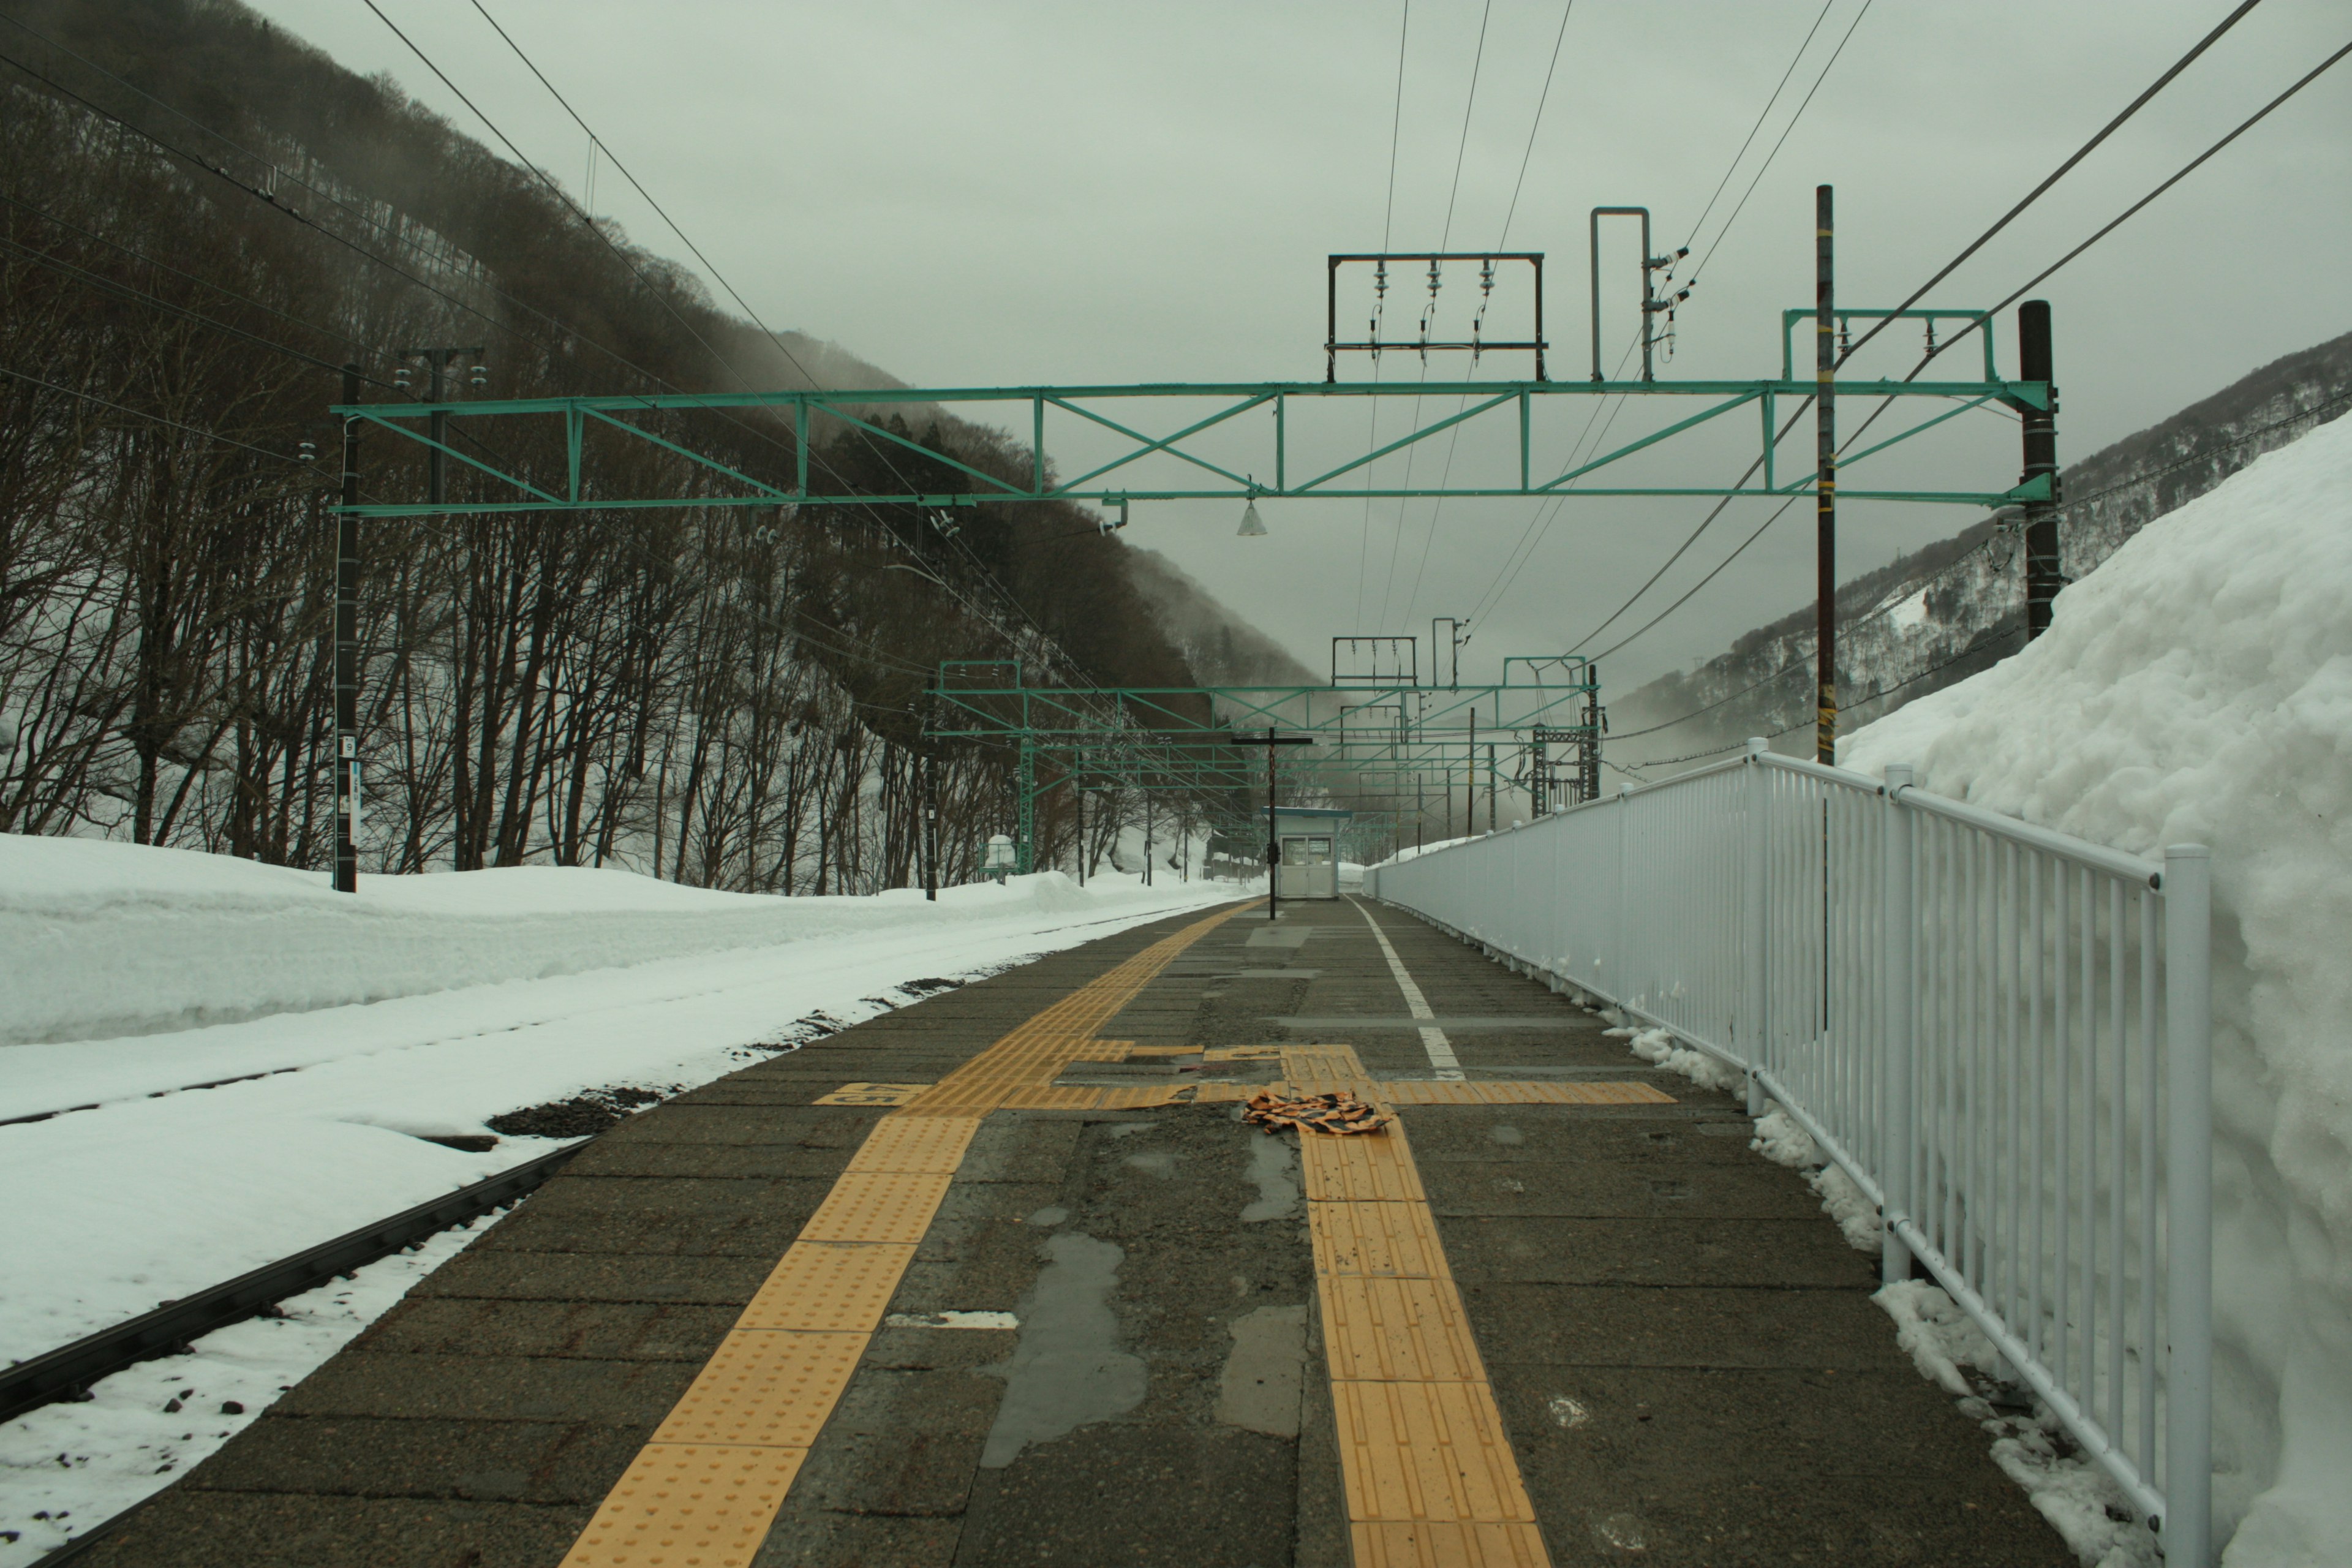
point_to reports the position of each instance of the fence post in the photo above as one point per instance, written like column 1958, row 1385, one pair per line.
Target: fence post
column 1899, row 1115
column 2187, row 1524
column 1754, row 986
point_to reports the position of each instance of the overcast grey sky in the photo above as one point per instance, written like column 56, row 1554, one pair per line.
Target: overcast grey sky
column 997, row 192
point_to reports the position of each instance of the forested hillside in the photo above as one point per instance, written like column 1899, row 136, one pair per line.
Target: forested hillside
column 1941, row 614
column 201, row 220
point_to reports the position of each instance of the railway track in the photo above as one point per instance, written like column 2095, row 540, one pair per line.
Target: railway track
column 68, row 1372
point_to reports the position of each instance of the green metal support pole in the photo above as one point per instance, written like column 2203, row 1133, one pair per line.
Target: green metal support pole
column 1025, row 789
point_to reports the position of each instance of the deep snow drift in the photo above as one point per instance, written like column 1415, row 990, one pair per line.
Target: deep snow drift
column 2198, row 687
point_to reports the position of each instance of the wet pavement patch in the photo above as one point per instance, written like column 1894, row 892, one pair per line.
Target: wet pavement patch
column 1068, row 1369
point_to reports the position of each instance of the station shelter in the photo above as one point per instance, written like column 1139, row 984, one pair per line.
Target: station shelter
column 1309, row 840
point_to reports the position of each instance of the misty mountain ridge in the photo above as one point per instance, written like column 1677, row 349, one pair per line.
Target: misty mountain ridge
column 1936, row 617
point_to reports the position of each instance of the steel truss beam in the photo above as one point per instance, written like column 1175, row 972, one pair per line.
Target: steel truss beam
column 1218, row 404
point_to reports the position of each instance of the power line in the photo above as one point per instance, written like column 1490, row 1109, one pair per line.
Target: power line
column 1388, row 224
column 2080, row 153
column 565, row 198
column 2030, row 196
column 1911, row 587
column 1543, row 99
column 1762, row 115
column 1716, row 243
column 1540, row 525
column 1454, row 438
column 155, row 418
column 269, row 199
column 140, row 256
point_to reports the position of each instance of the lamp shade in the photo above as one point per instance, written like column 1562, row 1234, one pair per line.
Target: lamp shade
column 1252, row 527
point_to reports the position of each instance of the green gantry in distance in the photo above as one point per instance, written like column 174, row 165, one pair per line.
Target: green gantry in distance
column 1377, row 743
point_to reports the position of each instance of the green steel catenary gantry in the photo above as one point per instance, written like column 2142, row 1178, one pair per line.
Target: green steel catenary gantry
column 576, row 485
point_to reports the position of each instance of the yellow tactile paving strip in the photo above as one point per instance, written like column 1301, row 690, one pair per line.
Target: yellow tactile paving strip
column 1431, row 1478
column 702, row 1493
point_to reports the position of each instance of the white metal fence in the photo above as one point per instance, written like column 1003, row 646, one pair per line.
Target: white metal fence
column 2002, row 1034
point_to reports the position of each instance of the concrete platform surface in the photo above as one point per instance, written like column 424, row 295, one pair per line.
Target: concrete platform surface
column 1056, row 1306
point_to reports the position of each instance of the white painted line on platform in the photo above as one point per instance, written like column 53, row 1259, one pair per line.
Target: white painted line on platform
column 1433, row 1038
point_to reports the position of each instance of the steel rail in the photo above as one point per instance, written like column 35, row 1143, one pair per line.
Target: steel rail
column 68, row 1372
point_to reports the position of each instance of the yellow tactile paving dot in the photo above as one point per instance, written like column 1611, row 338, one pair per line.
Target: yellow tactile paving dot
column 1387, row 1240
column 1448, row 1545
column 765, row 1388
column 1387, row 1330
column 916, row 1145
column 829, row 1287
column 872, row 1094
column 1414, row 1451
column 876, row 1206
column 1374, row 1167
column 1423, row 1091
column 1053, row 1099
column 1573, row 1094
column 682, row 1505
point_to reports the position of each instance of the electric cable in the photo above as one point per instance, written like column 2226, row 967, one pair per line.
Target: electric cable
column 1717, row 243
column 1002, row 590
column 142, row 256
column 1388, row 224
column 268, row 198
column 1527, row 156
column 1507, row 582
column 1762, row 115
column 2080, row 153
column 1911, row 587
column 155, row 418
column 1445, row 238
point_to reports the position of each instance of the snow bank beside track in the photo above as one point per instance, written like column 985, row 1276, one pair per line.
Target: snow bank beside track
column 103, row 940
column 2198, row 687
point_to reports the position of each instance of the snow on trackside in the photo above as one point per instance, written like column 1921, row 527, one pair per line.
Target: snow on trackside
column 105, row 940
column 150, row 1187
column 64, row 1468
column 2198, row 687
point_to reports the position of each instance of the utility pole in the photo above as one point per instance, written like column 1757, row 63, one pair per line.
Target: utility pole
column 2043, row 576
column 1491, row 783
column 1470, row 780
column 1825, row 482
column 347, row 653
column 1587, row 768
column 931, row 828
column 436, row 363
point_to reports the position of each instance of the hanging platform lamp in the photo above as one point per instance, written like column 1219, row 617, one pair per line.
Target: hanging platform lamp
column 1253, row 526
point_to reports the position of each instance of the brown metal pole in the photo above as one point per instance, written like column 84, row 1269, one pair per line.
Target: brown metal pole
column 1825, row 483
column 2042, row 577
column 1273, row 845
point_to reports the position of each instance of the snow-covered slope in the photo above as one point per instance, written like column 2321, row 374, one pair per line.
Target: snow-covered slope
column 2198, row 686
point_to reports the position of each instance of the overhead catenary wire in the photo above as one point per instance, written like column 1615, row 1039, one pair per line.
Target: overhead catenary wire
column 1909, row 588
column 1540, row 526
column 1848, row 352
column 2085, row 151
column 1048, row 644
column 1388, row 222
column 1716, row 243
column 1461, row 150
column 367, row 220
